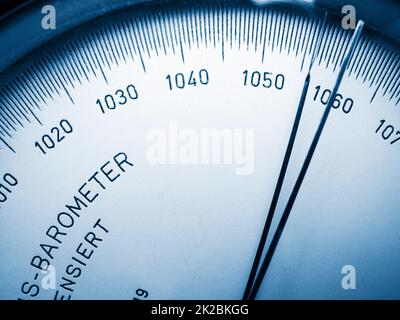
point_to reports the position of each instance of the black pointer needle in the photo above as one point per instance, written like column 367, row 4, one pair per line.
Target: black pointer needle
column 283, row 170
column 307, row 161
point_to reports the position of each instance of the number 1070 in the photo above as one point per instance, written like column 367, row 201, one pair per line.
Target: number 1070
column 388, row 132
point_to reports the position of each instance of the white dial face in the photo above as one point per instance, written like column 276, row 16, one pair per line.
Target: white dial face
column 139, row 158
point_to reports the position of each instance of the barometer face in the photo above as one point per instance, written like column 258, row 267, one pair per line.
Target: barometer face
column 140, row 152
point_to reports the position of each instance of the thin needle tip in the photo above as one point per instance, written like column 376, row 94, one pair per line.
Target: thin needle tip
column 359, row 27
